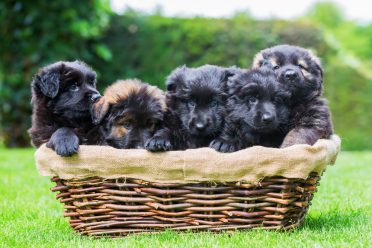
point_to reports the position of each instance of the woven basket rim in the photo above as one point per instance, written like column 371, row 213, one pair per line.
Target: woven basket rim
column 193, row 165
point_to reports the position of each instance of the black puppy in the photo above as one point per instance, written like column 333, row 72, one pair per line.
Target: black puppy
column 257, row 112
column 62, row 96
column 196, row 100
column 129, row 113
column 301, row 72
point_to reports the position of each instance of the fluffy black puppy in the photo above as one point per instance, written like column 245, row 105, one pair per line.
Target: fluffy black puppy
column 129, row 113
column 257, row 112
column 62, row 96
column 196, row 100
column 301, row 72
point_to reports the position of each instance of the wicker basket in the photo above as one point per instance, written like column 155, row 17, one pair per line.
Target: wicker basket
column 98, row 204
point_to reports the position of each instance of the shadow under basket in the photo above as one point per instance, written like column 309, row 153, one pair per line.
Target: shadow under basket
column 112, row 192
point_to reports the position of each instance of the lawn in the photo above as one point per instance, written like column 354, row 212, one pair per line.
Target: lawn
column 340, row 216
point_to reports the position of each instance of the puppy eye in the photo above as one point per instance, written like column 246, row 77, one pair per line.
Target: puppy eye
column 301, row 66
column 276, row 67
column 151, row 123
column 191, row 104
column 74, row 87
column 214, row 104
column 278, row 99
column 252, row 99
column 127, row 125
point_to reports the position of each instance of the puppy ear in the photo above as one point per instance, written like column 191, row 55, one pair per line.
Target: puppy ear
column 48, row 80
column 100, row 110
column 175, row 79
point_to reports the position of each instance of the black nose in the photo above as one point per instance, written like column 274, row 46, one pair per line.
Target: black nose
column 200, row 126
column 94, row 96
column 267, row 118
column 290, row 74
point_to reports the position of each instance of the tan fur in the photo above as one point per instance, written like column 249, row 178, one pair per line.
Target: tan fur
column 315, row 58
column 273, row 61
column 118, row 131
column 121, row 89
column 303, row 63
column 100, row 109
column 257, row 59
column 306, row 74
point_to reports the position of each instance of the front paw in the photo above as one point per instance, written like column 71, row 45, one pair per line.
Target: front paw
column 156, row 144
column 66, row 146
column 222, row 145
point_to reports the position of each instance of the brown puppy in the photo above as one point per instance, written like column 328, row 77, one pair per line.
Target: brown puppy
column 129, row 113
column 300, row 71
column 62, row 96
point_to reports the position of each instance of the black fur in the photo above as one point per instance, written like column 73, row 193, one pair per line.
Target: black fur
column 301, row 72
column 62, row 95
column 196, row 99
column 257, row 112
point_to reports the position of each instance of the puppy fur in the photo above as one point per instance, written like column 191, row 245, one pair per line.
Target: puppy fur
column 129, row 113
column 62, row 95
column 257, row 112
column 300, row 71
column 196, row 99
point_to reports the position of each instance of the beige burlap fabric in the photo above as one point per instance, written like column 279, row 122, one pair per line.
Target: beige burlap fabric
column 194, row 165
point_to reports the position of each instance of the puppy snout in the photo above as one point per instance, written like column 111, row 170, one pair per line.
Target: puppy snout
column 291, row 74
column 95, row 97
column 267, row 118
column 200, row 126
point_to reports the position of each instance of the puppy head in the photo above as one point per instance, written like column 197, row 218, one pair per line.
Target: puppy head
column 258, row 99
column 297, row 68
column 198, row 97
column 130, row 112
column 68, row 87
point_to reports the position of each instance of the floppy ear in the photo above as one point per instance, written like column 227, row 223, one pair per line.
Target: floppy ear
column 175, row 79
column 99, row 110
column 48, row 81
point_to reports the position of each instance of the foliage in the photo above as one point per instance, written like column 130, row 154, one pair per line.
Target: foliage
column 35, row 33
column 151, row 46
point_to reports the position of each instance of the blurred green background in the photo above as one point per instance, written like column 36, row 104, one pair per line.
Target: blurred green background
column 149, row 46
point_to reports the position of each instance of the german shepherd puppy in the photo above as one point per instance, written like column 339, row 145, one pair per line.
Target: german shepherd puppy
column 129, row 113
column 301, row 72
column 62, row 96
column 196, row 100
column 257, row 112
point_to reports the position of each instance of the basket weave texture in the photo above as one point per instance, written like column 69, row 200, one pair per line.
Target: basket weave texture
column 107, row 191
column 117, row 207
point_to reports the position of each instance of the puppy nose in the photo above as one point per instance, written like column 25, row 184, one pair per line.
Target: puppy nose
column 290, row 74
column 200, row 126
column 94, row 97
column 267, row 118
column 109, row 140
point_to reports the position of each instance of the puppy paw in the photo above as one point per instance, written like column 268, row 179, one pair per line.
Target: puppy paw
column 64, row 143
column 222, row 145
column 156, row 144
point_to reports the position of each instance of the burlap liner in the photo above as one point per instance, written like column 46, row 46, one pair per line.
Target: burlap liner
column 193, row 165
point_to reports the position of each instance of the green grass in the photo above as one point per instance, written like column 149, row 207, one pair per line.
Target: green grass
column 340, row 215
